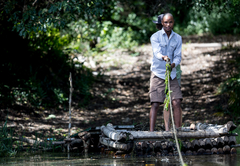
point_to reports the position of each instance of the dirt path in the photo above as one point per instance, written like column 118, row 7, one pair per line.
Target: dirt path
column 120, row 96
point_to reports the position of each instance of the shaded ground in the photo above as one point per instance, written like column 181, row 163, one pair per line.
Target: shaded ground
column 120, row 96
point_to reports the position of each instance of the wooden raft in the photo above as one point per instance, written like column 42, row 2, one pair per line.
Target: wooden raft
column 205, row 139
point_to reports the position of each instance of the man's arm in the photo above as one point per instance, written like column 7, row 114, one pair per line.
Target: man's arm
column 177, row 54
column 157, row 48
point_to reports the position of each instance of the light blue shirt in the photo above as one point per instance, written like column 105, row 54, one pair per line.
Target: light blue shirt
column 162, row 45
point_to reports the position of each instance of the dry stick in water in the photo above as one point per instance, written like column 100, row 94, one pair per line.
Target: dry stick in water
column 70, row 102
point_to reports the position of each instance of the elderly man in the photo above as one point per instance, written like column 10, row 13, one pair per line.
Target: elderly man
column 165, row 44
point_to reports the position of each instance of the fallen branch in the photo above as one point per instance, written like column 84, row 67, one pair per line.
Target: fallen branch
column 31, row 141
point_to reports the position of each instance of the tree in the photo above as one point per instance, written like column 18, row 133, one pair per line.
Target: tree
column 33, row 16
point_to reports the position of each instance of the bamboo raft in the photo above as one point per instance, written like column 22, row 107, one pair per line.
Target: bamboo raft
column 202, row 139
column 124, row 139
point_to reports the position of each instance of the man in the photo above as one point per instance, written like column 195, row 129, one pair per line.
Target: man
column 165, row 44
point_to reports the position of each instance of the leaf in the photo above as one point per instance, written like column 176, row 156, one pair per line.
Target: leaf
column 51, row 116
column 21, row 32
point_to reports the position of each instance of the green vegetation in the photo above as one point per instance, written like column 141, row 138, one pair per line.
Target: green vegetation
column 237, row 130
column 167, row 91
column 6, row 142
column 231, row 88
column 41, row 40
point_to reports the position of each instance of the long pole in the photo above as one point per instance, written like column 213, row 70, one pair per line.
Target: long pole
column 173, row 123
column 70, row 107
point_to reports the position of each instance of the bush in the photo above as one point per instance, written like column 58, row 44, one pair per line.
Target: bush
column 6, row 142
column 231, row 88
column 35, row 70
column 201, row 21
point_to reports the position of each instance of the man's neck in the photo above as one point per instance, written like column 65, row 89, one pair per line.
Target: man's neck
column 168, row 33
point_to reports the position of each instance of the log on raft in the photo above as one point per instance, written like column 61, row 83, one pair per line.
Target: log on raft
column 195, row 144
column 116, row 145
column 233, row 151
column 157, row 146
column 226, row 149
column 208, row 143
column 219, row 141
column 214, row 150
column 204, row 131
column 232, row 140
column 154, row 136
column 110, row 132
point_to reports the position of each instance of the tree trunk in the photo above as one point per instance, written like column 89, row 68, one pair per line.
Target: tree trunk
column 195, row 144
column 208, row 143
column 226, row 149
column 232, row 140
column 220, row 142
column 214, row 151
column 189, row 146
column 201, row 143
column 157, row 146
column 220, row 151
column 208, row 152
column 188, row 153
column 201, row 151
column 214, row 143
column 233, row 151
column 225, row 140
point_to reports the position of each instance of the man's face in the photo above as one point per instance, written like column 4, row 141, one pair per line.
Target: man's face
column 167, row 23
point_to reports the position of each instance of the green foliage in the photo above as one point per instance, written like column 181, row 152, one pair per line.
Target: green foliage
column 201, row 20
column 167, row 91
column 231, row 87
column 35, row 70
column 117, row 37
column 29, row 16
column 6, row 142
column 237, row 130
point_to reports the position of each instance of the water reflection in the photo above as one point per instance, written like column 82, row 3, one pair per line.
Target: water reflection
column 61, row 159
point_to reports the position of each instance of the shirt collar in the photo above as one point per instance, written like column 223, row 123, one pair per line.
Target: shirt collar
column 163, row 33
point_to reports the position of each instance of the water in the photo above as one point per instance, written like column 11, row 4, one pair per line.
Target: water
column 63, row 159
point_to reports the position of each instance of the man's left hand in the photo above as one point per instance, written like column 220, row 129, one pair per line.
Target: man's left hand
column 173, row 65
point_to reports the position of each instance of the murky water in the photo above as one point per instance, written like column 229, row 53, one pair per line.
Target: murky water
column 60, row 159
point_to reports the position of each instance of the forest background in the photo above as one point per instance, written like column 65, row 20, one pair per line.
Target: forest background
column 40, row 41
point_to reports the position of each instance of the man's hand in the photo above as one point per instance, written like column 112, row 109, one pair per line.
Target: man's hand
column 165, row 58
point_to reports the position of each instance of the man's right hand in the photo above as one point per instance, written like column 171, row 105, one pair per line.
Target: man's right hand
column 165, row 58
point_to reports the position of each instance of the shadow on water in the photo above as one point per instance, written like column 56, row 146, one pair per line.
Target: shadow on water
column 74, row 160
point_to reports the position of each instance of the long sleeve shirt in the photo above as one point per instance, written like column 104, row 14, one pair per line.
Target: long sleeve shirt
column 162, row 45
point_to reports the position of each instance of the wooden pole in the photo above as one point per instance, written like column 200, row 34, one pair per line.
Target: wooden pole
column 70, row 105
